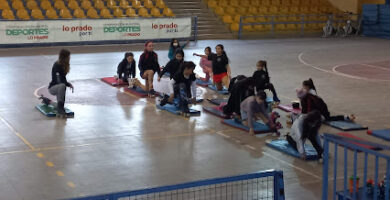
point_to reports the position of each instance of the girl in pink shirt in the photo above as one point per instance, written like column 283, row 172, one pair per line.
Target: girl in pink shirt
column 206, row 65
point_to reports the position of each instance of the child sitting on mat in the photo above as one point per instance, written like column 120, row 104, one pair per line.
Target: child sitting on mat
column 254, row 108
column 148, row 65
column 220, row 67
column 126, row 68
column 206, row 65
column 173, row 65
column 182, row 88
column 311, row 101
column 262, row 79
column 306, row 126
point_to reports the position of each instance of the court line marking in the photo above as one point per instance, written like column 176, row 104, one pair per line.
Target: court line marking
column 20, row 136
column 291, row 165
column 334, row 71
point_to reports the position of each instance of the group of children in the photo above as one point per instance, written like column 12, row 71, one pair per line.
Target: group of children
column 247, row 100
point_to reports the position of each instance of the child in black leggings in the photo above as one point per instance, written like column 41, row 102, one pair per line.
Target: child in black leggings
column 262, row 79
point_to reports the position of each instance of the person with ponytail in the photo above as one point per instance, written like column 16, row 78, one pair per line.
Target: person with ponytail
column 126, row 68
column 220, row 67
column 262, row 79
column 173, row 66
column 306, row 126
column 182, row 88
column 58, row 84
column 148, row 65
column 310, row 101
column 254, row 108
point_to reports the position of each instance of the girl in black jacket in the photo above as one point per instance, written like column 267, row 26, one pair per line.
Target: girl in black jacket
column 173, row 65
column 262, row 80
column 148, row 65
column 58, row 84
column 126, row 68
column 311, row 101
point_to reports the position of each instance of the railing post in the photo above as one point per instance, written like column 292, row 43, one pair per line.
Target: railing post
column 325, row 169
column 240, row 28
column 302, row 24
column 278, row 186
column 273, row 24
column 196, row 28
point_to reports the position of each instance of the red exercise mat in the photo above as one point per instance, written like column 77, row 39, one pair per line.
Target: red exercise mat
column 289, row 108
column 348, row 135
column 112, row 81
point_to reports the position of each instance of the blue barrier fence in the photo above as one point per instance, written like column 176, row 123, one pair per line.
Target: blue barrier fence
column 254, row 186
column 356, row 161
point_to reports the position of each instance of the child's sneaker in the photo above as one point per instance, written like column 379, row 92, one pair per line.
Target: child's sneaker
column 45, row 100
column 164, row 100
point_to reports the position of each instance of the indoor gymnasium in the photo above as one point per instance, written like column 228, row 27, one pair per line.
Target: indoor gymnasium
column 194, row 99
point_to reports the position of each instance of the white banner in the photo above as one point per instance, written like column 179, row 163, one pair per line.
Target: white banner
column 51, row 31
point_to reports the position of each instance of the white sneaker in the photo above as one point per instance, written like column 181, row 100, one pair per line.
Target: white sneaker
column 321, row 161
column 131, row 82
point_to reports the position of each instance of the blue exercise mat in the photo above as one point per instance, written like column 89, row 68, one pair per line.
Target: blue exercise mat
column 345, row 125
column 203, row 83
column 223, row 91
column 283, row 146
column 383, row 134
column 215, row 111
column 217, row 101
column 51, row 111
column 137, row 91
column 257, row 126
column 175, row 110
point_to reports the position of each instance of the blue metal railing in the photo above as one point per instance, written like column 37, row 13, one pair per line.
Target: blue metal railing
column 377, row 190
column 303, row 19
column 260, row 185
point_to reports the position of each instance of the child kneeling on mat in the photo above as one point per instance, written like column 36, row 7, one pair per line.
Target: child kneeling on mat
column 254, row 108
column 182, row 88
column 126, row 68
column 262, row 80
column 306, row 126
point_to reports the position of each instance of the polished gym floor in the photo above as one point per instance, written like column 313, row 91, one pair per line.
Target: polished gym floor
column 117, row 141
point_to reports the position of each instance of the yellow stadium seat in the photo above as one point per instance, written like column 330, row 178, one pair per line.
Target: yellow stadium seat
column 212, row 4
column 37, row 14
column 59, row 4
column 274, row 10
column 286, row 3
column 227, row 19
column 130, row 12
column 155, row 12
column 92, row 13
column 234, row 3
column 17, row 5
column 46, row 5
column 234, row 27
column 105, row 13
column 118, row 13
column 22, row 14
column 292, row 27
column 242, row 10
column 51, row 14
column 124, row 4
column 280, row 27
column 79, row 13
column 65, row 14
column 245, row 3
column 72, row 4
column 136, row 4
column 111, row 4
column 237, row 18
column 284, row 10
column 160, row 4
column 281, row 19
column 314, row 10
column 253, row 11
column 266, row 3
column 219, row 11
column 263, row 10
column 324, row 9
column 148, row 4
column 255, row 3
column 248, row 28
column 32, row 4
column 143, row 12
column 168, row 12
column 295, row 2
column 294, row 18
column 86, row 4
column 294, row 10
column 4, row 5
column 304, row 10
column 275, row 3
column 7, row 14
column 304, row 2
column 315, row 2
column 99, row 4
column 249, row 19
column 231, row 10
column 223, row 4
column 261, row 28
column 262, row 19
